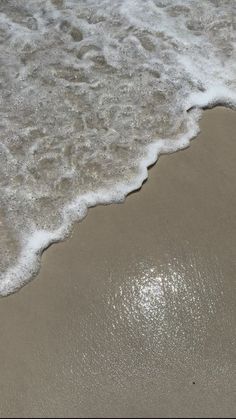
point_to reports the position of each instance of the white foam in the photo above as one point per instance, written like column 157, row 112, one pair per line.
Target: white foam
column 215, row 95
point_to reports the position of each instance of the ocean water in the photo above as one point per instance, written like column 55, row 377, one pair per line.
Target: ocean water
column 91, row 93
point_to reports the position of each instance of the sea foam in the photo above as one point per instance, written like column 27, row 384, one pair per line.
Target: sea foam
column 92, row 92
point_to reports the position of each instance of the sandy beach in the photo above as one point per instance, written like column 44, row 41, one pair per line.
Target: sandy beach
column 135, row 314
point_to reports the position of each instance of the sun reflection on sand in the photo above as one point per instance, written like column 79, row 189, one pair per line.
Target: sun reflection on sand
column 166, row 303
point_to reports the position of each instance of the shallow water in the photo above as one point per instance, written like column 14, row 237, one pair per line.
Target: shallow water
column 91, row 93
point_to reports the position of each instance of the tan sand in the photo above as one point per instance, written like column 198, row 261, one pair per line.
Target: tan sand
column 139, row 304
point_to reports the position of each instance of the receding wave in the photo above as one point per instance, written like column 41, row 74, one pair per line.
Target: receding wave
column 91, row 92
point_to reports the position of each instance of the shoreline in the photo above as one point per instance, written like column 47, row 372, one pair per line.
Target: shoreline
column 28, row 265
column 139, row 303
column 30, row 259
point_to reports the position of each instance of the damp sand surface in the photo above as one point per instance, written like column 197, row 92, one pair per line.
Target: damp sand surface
column 135, row 315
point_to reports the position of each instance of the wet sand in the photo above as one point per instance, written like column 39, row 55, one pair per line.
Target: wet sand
column 135, row 315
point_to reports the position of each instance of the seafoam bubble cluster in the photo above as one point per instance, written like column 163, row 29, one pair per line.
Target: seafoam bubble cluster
column 91, row 92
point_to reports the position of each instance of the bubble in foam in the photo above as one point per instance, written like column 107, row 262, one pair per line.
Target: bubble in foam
column 91, row 93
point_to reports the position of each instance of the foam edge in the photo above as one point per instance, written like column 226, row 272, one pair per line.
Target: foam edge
column 29, row 261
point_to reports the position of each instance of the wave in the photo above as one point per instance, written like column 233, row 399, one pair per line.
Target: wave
column 92, row 93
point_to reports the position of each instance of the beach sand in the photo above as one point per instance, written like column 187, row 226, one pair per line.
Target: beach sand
column 135, row 315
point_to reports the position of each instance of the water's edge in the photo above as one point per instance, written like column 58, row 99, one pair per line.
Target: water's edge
column 29, row 262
